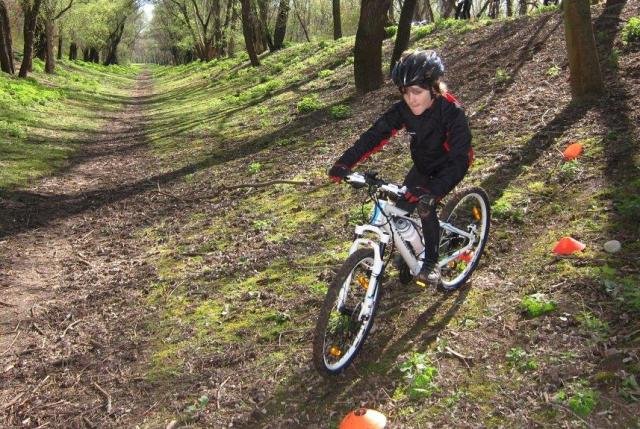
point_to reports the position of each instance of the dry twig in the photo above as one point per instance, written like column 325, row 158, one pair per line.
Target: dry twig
column 220, row 390
column 107, row 397
column 71, row 325
column 11, row 345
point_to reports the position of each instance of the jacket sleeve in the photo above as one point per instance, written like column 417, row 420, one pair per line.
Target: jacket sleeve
column 375, row 138
column 458, row 135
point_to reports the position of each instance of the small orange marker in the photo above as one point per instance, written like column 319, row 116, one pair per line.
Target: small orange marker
column 572, row 151
column 363, row 418
column 567, row 246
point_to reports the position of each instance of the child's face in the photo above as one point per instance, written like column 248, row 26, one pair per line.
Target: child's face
column 417, row 98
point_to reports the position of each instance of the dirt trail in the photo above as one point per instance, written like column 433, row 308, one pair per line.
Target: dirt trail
column 68, row 256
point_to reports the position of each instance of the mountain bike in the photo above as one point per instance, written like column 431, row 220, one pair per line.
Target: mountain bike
column 350, row 304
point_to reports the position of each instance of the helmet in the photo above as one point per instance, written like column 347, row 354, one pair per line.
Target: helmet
column 418, row 68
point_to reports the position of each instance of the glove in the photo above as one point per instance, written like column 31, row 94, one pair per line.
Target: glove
column 414, row 194
column 339, row 172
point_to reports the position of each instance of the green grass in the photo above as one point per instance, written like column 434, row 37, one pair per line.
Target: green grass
column 43, row 117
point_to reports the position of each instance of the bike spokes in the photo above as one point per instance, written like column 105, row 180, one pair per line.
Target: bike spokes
column 462, row 245
column 347, row 323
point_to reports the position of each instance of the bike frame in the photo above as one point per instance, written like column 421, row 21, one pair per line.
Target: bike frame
column 383, row 230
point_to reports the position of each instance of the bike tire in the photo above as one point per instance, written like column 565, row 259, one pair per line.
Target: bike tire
column 327, row 318
column 456, row 212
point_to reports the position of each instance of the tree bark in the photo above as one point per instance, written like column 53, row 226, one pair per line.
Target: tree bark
column 404, row 31
column 73, row 51
column 6, row 50
column 59, row 44
column 337, row 20
column 281, row 24
column 50, row 61
column 367, row 65
column 248, row 32
column 30, row 20
column 585, row 75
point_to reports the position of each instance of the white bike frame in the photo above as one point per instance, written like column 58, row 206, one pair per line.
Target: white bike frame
column 383, row 228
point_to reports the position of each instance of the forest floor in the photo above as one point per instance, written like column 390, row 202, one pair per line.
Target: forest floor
column 139, row 289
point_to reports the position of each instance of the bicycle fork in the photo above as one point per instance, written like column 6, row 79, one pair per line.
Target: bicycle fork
column 376, row 269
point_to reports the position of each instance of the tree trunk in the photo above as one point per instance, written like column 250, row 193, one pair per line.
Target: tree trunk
column 112, row 44
column 448, row 7
column 50, row 60
column 522, row 7
column 585, row 76
column 367, row 67
column 248, row 32
column 59, row 42
column 281, row 24
column 337, row 20
column 73, row 51
column 509, row 7
column 231, row 47
column 30, row 20
column 423, row 11
column 302, row 24
column 94, row 55
column 262, row 21
column 404, row 31
column 40, row 40
column 6, row 50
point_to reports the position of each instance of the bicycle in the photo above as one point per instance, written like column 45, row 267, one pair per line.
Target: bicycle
column 349, row 307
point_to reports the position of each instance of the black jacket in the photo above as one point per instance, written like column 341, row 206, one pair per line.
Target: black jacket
column 440, row 137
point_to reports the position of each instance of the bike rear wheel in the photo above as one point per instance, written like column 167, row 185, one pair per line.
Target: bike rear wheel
column 341, row 329
column 468, row 210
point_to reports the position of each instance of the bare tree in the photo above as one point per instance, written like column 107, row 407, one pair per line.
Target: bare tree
column 585, row 77
column 367, row 65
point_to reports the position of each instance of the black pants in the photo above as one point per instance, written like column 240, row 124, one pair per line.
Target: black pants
column 439, row 184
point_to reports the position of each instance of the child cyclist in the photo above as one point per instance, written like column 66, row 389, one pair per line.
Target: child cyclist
column 440, row 145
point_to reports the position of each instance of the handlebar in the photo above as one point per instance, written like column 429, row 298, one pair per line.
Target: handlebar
column 359, row 180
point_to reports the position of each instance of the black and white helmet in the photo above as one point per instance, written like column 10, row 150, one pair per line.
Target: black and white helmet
column 421, row 68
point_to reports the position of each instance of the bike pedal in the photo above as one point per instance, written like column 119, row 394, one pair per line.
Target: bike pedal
column 422, row 284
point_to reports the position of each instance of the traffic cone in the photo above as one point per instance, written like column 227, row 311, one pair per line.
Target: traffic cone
column 567, row 246
column 572, row 151
column 363, row 418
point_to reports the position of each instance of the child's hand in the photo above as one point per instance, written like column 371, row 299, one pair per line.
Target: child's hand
column 339, row 172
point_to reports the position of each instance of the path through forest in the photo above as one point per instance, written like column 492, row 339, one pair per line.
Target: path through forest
column 71, row 266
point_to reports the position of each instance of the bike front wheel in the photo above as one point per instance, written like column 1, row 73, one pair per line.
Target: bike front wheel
column 343, row 325
column 469, row 211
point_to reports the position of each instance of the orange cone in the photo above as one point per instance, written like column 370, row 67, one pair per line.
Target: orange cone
column 363, row 418
column 572, row 151
column 567, row 246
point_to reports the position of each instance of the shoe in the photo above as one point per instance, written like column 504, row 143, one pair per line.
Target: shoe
column 429, row 275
